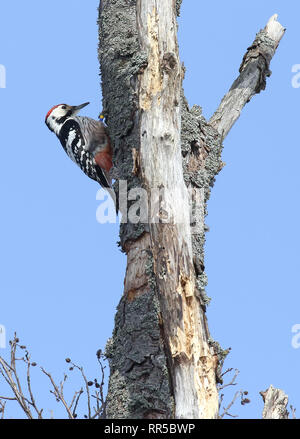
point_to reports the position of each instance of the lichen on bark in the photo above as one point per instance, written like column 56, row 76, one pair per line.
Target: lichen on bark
column 139, row 384
column 139, row 380
column 121, row 59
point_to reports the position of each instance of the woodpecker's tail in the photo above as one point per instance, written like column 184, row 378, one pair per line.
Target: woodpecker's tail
column 114, row 198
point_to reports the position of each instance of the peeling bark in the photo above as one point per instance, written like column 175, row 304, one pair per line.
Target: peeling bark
column 163, row 362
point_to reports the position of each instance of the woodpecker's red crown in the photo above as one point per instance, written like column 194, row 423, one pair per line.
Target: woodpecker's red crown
column 50, row 111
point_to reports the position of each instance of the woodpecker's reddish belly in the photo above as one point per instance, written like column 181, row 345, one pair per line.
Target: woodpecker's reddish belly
column 103, row 159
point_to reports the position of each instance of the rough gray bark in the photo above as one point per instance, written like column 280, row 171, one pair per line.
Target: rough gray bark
column 163, row 361
column 275, row 404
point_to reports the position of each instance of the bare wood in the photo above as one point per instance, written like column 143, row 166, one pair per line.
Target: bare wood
column 253, row 72
column 275, row 401
column 136, row 279
column 191, row 362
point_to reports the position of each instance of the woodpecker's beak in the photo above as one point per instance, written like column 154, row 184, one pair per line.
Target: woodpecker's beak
column 77, row 108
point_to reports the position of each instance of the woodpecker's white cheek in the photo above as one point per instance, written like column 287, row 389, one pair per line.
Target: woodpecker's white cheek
column 58, row 112
column 55, row 126
column 52, row 125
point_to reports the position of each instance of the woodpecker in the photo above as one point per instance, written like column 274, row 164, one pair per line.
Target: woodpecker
column 85, row 140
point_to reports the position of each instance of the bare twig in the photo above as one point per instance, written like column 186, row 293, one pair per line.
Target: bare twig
column 293, row 410
column 39, row 412
column 57, row 393
column 241, row 393
column 76, row 402
column 232, row 382
column 226, row 409
column 11, row 375
column 86, row 387
column 2, row 408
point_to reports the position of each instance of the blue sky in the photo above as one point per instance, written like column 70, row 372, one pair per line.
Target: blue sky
column 62, row 272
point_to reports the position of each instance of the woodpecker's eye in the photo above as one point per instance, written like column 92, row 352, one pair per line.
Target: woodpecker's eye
column 53, row 117
column 63, row 107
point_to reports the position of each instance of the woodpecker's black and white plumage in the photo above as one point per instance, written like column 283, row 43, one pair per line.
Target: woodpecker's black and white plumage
column 85, row 140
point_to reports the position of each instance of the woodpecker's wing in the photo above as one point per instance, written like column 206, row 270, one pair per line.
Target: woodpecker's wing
column 94, row 134
column 73, row 142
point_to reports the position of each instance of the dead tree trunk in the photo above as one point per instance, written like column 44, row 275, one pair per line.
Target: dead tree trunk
column 275, row 404
column 163, row 362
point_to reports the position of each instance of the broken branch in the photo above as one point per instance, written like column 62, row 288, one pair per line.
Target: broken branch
column 252, row 79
